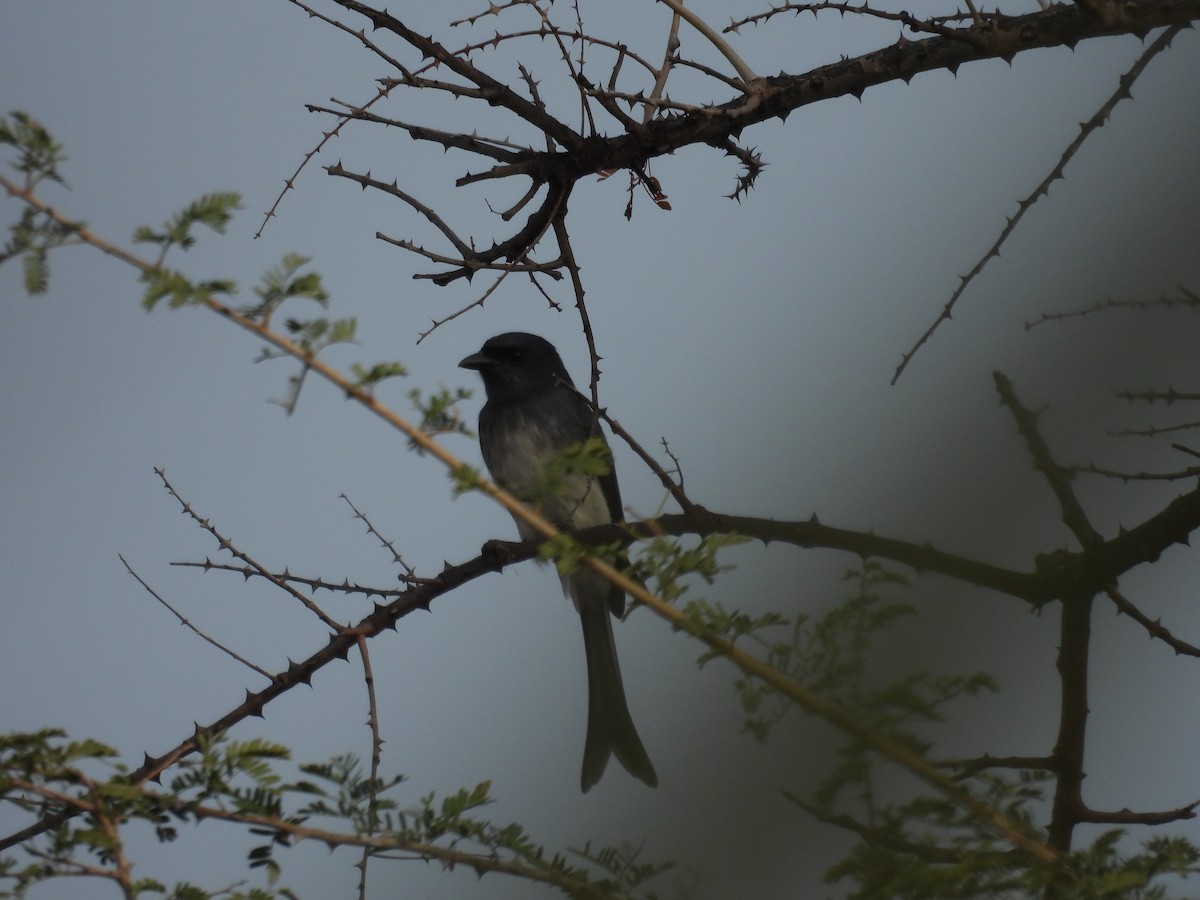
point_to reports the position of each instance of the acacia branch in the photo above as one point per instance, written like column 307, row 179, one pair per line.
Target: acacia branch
column 1000, row 37
column 570, row 156
column 480, row 863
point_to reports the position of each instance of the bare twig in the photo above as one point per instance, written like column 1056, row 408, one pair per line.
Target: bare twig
column 1093, row 469
column 1189, row 299
column 393, row 188
column 387, row 543
column 1086, row 130
column 1058, row 477
column 673, row 487
column 495, row 92
column 1155, row 430
column 553, row 212
column 564, row 245
column 1128, row 817
column 315, row 584
column 934, row 25
column 965, row 768
column 1169, row 396
column 187, row 624
column 1154, row 627
column 225, row 544
column 376, row 758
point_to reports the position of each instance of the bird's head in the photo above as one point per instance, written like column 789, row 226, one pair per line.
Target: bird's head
column 517, row 366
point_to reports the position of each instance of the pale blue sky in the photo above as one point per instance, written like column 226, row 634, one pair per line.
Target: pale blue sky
column 758, row 337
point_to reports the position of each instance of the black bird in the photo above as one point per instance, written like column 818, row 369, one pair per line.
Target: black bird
column 532, row 416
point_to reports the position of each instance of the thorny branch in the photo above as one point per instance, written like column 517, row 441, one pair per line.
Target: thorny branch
column 1072, row 570
column 1190, row 299
column 566, row 155
column 1076, row 597
column 667, row 126
column 1086, row 130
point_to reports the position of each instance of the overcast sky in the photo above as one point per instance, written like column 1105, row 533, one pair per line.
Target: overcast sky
column 758, row 338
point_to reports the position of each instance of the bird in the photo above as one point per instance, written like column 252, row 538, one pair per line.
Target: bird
column 532, row 415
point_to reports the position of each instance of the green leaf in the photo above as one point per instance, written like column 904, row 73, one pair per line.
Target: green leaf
column 439, row 413
column 465, row 479
column 178, row 290
column 36, row 271
column 377, row 373
column 671, row 563
column 211, row 210
column 314, row 335
column 282, row 283
column 39, row 155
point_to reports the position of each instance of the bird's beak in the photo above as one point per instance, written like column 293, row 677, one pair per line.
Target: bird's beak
column 477, row 361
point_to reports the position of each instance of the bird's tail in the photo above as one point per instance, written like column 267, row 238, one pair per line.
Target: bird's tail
column 610, row 728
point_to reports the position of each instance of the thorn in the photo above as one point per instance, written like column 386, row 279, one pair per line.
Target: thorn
column 256, row 707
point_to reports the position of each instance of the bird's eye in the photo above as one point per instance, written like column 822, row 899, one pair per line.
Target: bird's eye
column 517, row 355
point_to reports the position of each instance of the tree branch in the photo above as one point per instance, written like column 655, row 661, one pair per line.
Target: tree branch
column 1058, row 477
column 1128, row 817
column 1087, row 129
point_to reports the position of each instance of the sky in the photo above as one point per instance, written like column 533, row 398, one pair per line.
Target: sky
column 757, row 337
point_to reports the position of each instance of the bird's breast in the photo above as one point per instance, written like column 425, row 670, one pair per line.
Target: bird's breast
column 519, row 447
column 518, row 452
